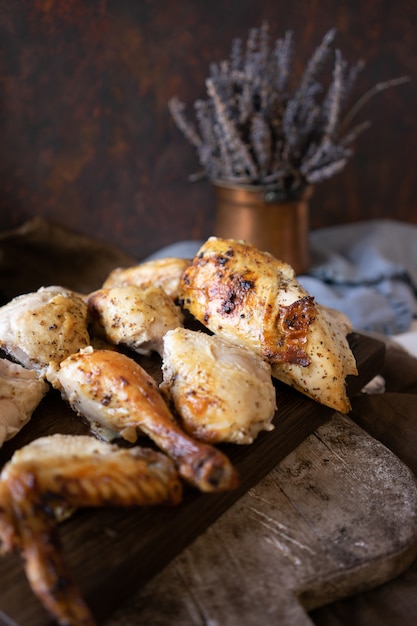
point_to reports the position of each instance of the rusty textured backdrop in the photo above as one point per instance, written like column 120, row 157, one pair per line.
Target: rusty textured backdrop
column 87, row 139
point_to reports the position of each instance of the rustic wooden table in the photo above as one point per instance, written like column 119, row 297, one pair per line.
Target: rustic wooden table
column 284, row 538
column 231, row 574
column 392, row 419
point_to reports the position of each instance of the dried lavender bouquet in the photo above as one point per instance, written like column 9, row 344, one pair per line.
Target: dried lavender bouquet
column 254, row 130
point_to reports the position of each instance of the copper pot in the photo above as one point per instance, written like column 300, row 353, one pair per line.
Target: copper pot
column 253, row 214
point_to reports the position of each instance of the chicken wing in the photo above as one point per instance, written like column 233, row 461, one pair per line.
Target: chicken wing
column 42, row 328
column 165, row 273
column 21, row 391
column 221, row 391
column 72, row 471
column 250, row 298
column 133, row 316
column 116, row 394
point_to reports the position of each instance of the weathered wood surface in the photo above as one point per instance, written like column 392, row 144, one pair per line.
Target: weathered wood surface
column 335, row 517
column 391, row 418
column 368, row 608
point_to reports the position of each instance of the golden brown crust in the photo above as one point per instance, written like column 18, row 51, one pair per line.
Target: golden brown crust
column 165, row 273
column 113, row 389
column 66, row 472
column 252, row 299
column 231, row 288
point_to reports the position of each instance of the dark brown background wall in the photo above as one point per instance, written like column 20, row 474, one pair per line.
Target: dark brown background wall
column 86, row 138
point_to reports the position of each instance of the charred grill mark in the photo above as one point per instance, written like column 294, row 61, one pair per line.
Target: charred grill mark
column 229, row 305
column 246, row 285
column 298, row 356
column 237, row 289
column 287, row 353
column 298, row 315
column 294, row 321
column 221, row 260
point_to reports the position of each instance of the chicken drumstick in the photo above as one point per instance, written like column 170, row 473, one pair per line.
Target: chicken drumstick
column 114, row 392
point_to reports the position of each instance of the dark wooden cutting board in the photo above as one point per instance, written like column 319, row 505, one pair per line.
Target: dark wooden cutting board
column 113, row 552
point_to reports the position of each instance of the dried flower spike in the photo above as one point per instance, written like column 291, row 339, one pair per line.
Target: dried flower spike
column 252, row 130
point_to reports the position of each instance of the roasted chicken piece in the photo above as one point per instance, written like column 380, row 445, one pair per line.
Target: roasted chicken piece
column 42, row 328
column 64, row 471
column 250, row 298
column 134, row 317
column 21, row 391
column 120, row 399
column 221, row 391
column 165, row 273
column 330, row 363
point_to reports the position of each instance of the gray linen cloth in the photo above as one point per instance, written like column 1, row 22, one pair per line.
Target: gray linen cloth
column 367, row 270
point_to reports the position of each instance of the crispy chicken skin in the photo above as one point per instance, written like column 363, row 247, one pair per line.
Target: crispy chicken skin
column 42, row 328
column 221, row 391
column 112, row 390
column 21, row 391
column 330, row 363
column 250, row 298
column 136, row 317
column 64, row 471
column 165, row 273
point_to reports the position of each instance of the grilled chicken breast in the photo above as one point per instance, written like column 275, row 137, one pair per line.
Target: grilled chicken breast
column 221, row 391
column 21, row 391
column 116, row 394
column 42, row 328
column 135, row 317
column 250, row 298
column 64, row 471
column 165, row 273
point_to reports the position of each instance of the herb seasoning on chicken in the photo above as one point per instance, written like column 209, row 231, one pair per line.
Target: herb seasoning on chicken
column 222, row 392
column 42, row 328
column 116, row 394
column 252, row 299
column 135, row 317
